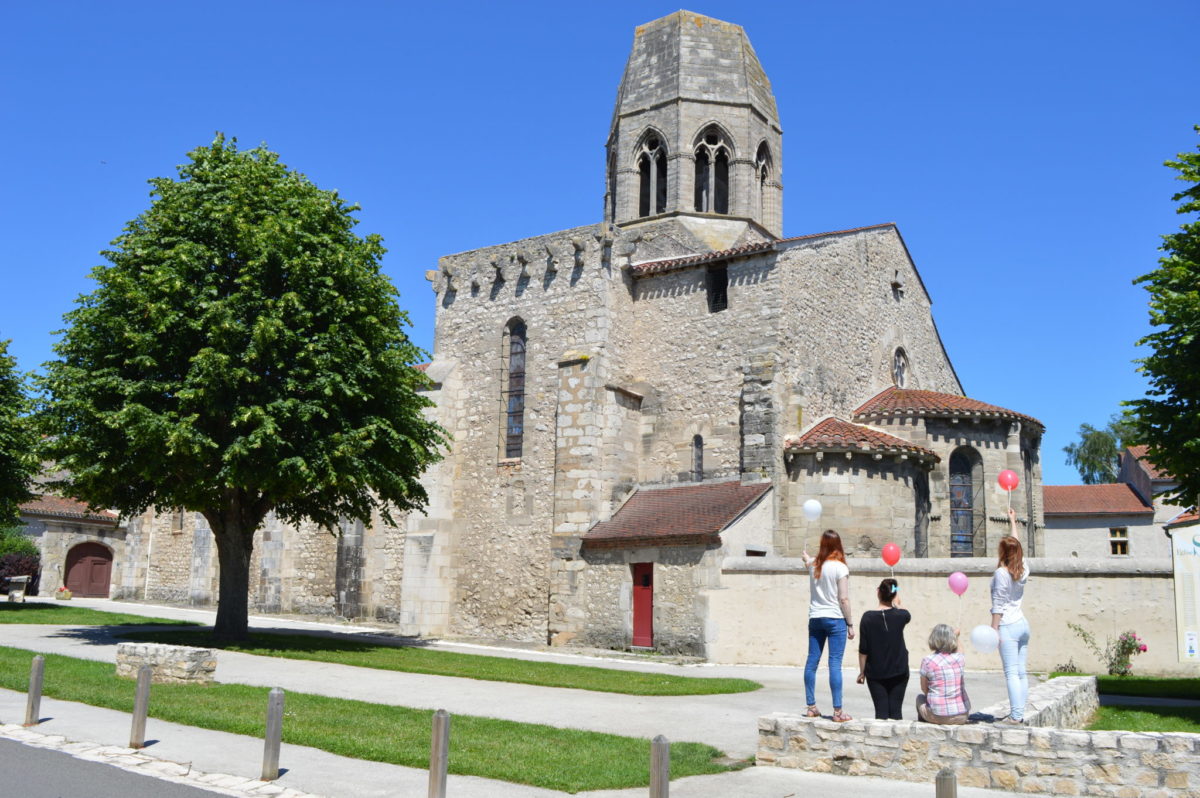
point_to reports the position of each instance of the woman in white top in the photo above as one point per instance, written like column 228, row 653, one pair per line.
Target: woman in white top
column 828, row 619
column 1008, row 589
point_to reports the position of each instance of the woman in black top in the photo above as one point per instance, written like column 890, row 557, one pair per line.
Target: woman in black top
column 882, row 655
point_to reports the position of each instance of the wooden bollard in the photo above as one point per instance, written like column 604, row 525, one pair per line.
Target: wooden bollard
column 946, row 784
column 273, row 739
column 141, row 706
column 33, row 703
column 660, row 767
column 439, row 754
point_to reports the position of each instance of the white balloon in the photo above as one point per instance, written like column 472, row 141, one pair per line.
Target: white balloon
column 812, row 509
column 985, row 639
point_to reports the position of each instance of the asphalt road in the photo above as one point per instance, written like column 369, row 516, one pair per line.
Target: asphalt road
column 38, row 773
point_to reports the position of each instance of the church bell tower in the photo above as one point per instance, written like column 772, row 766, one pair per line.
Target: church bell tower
column 695, row 131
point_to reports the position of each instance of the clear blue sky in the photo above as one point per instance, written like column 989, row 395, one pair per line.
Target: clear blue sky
column 1017, row 145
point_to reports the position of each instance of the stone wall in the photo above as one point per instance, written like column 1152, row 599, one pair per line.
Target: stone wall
column 55, row 537
column 1088, row 537
column 760, row 612
column 170, row 664
column 1057, row 761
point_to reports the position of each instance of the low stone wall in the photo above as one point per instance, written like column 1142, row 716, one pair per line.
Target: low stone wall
column 1056, row 761
column 171, row 664
column 1067, row 702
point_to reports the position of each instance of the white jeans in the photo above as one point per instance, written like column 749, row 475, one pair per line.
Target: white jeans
column 1014, row 650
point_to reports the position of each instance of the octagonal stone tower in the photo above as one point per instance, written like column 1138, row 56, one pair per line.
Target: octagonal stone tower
column 695, row 131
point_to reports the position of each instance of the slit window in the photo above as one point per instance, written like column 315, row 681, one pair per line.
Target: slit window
column 697, row 458
column 514, row 391
column 717, row 283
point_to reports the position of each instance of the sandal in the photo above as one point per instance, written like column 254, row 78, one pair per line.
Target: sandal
column 841, row 717
column 812, row 712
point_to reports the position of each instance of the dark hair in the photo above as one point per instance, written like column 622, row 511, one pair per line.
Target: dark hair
column 831, row 549
column 887, row 591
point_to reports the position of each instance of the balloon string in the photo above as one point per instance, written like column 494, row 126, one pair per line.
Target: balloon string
column 960, row 612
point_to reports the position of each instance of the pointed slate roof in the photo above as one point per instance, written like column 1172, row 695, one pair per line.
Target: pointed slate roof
column 909, row 402
column 836, row 435
column 685, row 515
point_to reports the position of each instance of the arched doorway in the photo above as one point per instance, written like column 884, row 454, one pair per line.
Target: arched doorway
column 89, row 566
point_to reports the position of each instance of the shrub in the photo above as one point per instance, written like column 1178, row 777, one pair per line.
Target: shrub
column 1117, row 654
column 21, row 565
column 13, row 541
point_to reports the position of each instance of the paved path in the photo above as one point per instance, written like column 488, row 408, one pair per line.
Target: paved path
column 728, row 722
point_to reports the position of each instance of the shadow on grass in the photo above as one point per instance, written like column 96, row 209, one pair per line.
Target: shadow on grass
column 276, row 641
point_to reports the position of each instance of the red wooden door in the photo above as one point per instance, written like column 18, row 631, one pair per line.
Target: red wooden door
column 89, row 566
column 643, row 604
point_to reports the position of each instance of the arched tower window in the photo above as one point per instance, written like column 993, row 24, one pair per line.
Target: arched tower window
column 901, row 369
column 697, row 458
column 966, row 503
column 514, row 388
column 762, row 174
column 652, row 171
column 712, row 172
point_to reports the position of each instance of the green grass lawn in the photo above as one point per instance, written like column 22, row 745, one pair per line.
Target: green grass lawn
column 526, row 753
column 67, row 615
column 1148, row 686
column 1147, row 719
column 346, row 650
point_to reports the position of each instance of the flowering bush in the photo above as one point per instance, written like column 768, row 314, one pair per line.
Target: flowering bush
column 1117, row 654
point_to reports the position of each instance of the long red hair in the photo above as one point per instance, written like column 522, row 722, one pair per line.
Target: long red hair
column 1012, row 557
column 831, row 549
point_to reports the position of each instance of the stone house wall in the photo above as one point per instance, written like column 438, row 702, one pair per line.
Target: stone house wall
column 1088, row 537
column 55, row 537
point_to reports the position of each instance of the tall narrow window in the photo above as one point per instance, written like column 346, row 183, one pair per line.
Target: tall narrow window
column 966, row 515
column 762, row 171
column 717, row 283
column 697, row 458
column 514, row 390
column 652, row 172
column 712, row 173
column 900, row 368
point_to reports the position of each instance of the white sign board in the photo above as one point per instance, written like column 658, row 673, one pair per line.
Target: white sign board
column 1185, row 548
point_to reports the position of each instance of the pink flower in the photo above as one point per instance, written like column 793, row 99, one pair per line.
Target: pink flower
column 1143, row 647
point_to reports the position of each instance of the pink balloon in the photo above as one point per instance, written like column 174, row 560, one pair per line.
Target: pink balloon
column 891, row 553
column 1007, row 479
column 958, row 582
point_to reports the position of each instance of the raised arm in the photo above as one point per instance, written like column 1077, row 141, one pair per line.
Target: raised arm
column 1012, row 523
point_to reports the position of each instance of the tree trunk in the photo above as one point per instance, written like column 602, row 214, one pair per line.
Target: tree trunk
column 235, row 542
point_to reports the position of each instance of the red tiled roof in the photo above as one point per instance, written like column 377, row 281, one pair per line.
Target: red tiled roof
column 833, row 434
column 671, row 264
column 1139, row 453
column 66, row 508
column 1187, row 519
column 676, row 516
column 905, row 401
column 1115, row 499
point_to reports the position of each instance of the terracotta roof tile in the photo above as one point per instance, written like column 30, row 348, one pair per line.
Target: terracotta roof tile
column 421, row 367
column 676, row 516
column 671, row 264
column 66, row 508
column 1185, row 519
column 906, row 401
column 1139, row 452
column 1114, row 499
column 833, row 434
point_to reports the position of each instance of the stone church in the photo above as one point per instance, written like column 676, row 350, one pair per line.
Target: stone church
column 635, row 401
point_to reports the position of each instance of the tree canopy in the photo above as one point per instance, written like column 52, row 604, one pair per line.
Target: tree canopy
column 1168, row 418
column 1097, row 453
column 17, row 461
column 242, row 354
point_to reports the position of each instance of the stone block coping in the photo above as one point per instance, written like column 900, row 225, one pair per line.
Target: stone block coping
column 1043, row 757
column 170, row 664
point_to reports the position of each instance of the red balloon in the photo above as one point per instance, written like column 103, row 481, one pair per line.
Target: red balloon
column 891, row 554
column 1007, row 479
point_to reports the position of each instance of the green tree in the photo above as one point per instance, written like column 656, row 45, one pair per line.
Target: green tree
column 1097, row 453
column 17, row 461
column 1168, row 417
column 241, row 355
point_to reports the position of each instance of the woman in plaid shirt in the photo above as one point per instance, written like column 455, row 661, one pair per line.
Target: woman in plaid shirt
column 943, row 696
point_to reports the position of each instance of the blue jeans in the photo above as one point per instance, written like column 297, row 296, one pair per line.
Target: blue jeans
column 1014, row 650
column 820, row 630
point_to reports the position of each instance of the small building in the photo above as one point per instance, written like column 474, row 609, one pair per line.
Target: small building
column 1101, row 521
column 80, row 547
